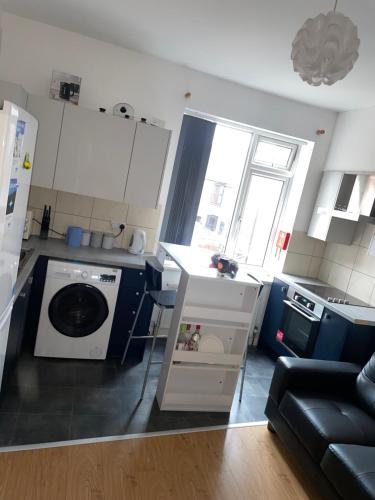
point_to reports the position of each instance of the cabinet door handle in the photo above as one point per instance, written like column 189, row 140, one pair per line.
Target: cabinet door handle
column 327, row 316
column 284, row 289
column 22, row 295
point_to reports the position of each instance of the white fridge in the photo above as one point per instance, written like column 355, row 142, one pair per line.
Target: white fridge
column 18, row 131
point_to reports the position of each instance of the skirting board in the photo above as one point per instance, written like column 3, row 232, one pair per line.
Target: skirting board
column 76, row 442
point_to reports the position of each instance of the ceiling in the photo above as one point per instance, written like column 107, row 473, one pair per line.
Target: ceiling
column 248, row 42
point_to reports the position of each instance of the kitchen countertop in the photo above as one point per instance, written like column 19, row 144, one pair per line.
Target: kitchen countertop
column 261, row 273
column 195, row 262
column 56, row 248
column 355, row 314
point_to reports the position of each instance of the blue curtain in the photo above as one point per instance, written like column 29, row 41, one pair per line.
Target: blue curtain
column 189, row 171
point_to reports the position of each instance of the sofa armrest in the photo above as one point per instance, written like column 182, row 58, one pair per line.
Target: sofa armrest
column 331, row 377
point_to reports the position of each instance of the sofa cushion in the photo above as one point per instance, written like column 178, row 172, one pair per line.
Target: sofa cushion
column 366, row 386
column 351, row 470
column 319, row 421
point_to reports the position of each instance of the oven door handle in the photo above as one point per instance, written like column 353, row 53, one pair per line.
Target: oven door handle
column 312, row 319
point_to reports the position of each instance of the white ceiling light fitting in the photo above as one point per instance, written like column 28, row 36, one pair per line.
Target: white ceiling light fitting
column 325, row 48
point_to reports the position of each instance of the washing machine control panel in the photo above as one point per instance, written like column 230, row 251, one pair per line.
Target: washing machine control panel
column 107, row 278
column 95, row 276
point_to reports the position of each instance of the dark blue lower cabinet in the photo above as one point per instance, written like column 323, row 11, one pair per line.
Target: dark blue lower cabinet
column 359, row 344
column 338, row 339
column 342, row 340
column 332, row 336
column 272, row 321
column 127, row 304
column 17, row 329
column 35, row 303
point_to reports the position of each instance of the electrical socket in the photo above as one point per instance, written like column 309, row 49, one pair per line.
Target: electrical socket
column 116, row 225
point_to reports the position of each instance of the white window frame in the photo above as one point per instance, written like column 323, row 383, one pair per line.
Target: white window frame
column 284, row 175
column 271, row 140
column 275, row 172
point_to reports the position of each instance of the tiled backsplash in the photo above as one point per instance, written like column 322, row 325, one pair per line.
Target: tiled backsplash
column 304, row 255
column 94, row 214
column 349, row 267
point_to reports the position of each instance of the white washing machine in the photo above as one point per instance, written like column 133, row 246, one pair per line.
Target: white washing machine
column 77, row 311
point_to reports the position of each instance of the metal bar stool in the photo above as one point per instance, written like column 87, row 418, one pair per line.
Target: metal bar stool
column 164, row 299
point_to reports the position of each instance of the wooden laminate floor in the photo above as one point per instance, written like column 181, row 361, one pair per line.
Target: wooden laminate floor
column 238, row 463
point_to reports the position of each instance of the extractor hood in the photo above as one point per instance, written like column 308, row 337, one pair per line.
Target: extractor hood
column 367, row 213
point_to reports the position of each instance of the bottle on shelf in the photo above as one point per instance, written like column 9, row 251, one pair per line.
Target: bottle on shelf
column 195, row 338
column 184, row 337
column 187, row 337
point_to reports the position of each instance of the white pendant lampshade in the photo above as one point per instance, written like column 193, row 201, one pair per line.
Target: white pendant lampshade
column 325, row 48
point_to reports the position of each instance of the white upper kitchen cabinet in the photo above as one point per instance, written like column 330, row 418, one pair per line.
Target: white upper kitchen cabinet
column 49, row 114
column 147, row 165
column 94, row 153
column 338, row 207
column 14, row 93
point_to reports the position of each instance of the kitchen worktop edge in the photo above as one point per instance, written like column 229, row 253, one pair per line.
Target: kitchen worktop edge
column 56, row 248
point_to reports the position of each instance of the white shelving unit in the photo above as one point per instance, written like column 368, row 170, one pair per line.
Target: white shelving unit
column 224, row 307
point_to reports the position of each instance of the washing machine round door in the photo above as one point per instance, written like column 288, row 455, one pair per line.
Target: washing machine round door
column 78, row 310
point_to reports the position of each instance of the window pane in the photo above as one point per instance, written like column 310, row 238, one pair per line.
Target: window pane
column 223, row 178
column 258, row 218
column 273, row 154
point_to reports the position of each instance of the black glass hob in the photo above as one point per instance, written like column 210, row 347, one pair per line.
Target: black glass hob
column 334, row 295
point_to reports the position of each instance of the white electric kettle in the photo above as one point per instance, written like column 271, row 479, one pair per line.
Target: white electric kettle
column 137, row 242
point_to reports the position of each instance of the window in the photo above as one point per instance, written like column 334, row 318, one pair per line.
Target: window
column 274, row 153
column 229, row 151
column 244, row 193
column 256, row 219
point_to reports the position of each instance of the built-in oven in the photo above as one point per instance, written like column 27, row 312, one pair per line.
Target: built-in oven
column 299, row 327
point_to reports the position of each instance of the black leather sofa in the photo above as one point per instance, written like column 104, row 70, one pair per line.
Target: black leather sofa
column 324, row 412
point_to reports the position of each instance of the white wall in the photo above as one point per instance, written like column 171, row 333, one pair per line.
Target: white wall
column 31, row 50
column 353, row 144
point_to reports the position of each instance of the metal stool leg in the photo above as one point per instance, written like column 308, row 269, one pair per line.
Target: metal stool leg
column 133, row 328
column 243, row 374
column 154, row 336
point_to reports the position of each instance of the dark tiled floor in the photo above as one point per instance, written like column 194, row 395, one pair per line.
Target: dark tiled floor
column 54, row 400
